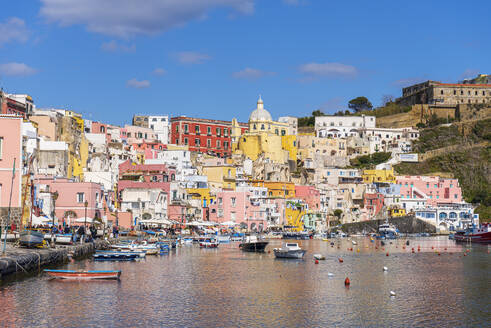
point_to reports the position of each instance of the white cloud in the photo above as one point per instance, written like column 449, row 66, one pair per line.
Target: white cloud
column 13, row 29
column 134, row 83
column 127, row 18
column 16, row 69
column 251, row 74
column 191, row 57
column 314, row 70
column 159, row 71
column 113, row 46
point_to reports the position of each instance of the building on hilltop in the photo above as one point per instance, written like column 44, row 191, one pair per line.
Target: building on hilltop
column 342, row 126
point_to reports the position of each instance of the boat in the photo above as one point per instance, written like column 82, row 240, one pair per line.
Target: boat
column 223, row 239
column 208, row 242
column 140, row 254
column 319, row 257
column 302, row 235
column 84, row 275
column 116, row 256
column 31, row 238
column 253, row 244
column 12, row 236
column 387, row 231
column 289, row 251
column 475, row 234
column 63, row 238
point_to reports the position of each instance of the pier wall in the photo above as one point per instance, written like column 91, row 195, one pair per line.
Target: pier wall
column 405, row 224
column 23, row 260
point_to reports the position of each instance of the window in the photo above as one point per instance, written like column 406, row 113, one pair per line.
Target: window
column 232, row 216
column 218, row 144
column 154, row 119
column 186, row 141
column 219, row 132
column 220, row 201
column 208, row 143
column 186, row 128
column 151, row 127
column 455, row 196
column 225, row 132
column 196, row 128
column 455, row 92
column 276, row 132
column 441, row 92
column 254, row 127
column 196, row 142
column 80, row 197
column 225, row 145
column 262, row 126
column 232, row 200
column 208, row 130
column 461, row 92
column 220, row 212
column 1, row 147
column 283, row 132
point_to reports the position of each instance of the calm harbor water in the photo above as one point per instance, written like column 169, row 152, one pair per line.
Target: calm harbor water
column 193, row 287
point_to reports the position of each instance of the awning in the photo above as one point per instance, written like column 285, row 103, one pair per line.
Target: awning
column 229, row 223
column 82, row 220
column 156, row 221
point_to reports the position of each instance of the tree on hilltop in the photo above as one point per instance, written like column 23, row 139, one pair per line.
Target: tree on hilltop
column 360, row 104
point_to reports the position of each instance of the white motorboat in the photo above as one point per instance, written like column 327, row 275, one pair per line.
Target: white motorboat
column 289, row 251
column 387, row 229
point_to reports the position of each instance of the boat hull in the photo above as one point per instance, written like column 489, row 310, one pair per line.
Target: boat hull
column 208, row 245
column 83, row 275
column 482, row 238
column 115, row 256
column 295, row 254
column 257, row 247
column 31, row 238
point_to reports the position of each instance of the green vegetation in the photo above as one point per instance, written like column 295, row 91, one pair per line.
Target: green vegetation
column 367, row 161
column 360, row 104
column 444, row 136
column 471, row 166
column 309, row 120
column 390, row 108
column 338, row 213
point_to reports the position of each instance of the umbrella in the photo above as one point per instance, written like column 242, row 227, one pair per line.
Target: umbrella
column 229, row 223
column 82, row 220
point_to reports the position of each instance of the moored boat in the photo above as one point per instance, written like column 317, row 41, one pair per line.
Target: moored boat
column 252, row 244
column 208, row 242
column 475, row 234
column 289, row 251
column 63, row 238
column 116, row 256
column 31, row 238
column 83, row 275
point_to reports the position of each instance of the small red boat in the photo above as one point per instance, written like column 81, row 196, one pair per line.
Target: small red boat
column 83, row 275
column 481, row 234
column 208, row 243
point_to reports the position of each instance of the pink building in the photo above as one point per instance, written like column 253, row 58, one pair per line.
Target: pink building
column 238, row 207
column 434, row 189
column 310, row 195
column 138, row 134
column 10, row 149
column 70, row 205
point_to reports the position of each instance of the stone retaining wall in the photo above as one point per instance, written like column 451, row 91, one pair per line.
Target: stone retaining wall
column 406, row 224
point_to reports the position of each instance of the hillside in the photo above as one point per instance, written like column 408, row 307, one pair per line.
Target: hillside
column 469, row 160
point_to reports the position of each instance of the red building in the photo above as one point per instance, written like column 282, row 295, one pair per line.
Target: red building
column 11, row 106
column 203, row 135
column 374, row 203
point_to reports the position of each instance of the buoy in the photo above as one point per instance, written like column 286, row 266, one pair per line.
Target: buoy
column 340, row 260
column 403, row 247
column 432, row 247
column 419, row 249
column 438, row 253
column 445, row 248
column 316, row 262
column 330, row 274
column 465, row 254
column 385, row 269
column 392, row 293
column 387, row 254
column 269, row 252
column 358, row 250
column 376, row 247
column 347, row 282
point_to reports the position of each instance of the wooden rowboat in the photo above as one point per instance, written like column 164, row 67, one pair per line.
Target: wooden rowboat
column 83, row 275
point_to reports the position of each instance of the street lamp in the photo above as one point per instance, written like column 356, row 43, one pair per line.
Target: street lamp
column 54, row 197
column 86, row 203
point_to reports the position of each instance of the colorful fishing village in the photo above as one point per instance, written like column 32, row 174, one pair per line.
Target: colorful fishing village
column 267, row 214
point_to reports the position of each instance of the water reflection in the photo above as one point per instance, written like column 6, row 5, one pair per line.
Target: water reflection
column 225, row 287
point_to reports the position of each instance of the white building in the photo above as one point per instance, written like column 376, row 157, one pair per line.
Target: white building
column 342, row 126
column 145, row 204
column 160, row 125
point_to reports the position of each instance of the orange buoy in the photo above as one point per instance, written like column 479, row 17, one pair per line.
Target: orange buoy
column 347, row 281
column 316, row 262
column 376, row 247
column 445, row 248
column 269, row 252
column 465, row 254
column 439, row 254
column 431, row 247
column 387, row 254
column 403, row 247
column 340, row 260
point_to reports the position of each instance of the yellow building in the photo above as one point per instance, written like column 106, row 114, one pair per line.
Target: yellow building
column 294, row 213
column 221, row 176
column 201, row 193
column 72, row 132
column 397, row 212
column 277, row 189
column 379, row 176
column 265, row 136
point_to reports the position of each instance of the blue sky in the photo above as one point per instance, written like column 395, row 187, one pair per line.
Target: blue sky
column 212, row 58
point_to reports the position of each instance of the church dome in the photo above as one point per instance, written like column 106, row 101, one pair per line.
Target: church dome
column 260, row 114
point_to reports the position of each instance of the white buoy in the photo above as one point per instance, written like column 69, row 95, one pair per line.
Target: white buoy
column 385, row 269
column 353, row 242
column 392, row 293
column 330, row 274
